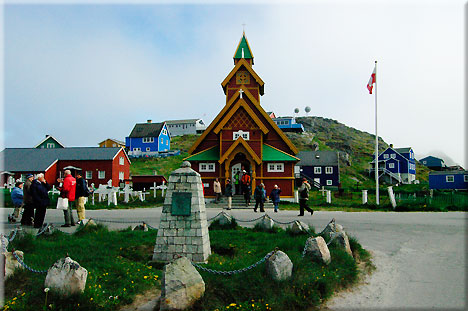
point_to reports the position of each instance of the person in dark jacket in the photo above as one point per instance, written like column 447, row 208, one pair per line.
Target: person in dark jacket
column 28, row 208
column 82, row 193
column 247, row 190
column 275, row 197
column 40, row 194
column 228, row 193
column 17, row 199
column 259, row 196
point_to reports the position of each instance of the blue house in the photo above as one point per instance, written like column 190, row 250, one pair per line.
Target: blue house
column 320, row 167
column 396, row 165
column 433, row 163
column 448, row 180
column 148, row 139
column 288, row 124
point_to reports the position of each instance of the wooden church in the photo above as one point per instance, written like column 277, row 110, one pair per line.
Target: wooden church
column 243, row 136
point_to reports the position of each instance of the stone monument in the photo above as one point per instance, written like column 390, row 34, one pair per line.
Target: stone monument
column 183, row 228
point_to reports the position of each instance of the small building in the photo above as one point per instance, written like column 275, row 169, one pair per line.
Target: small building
column 97, row 165
column 433, row 163
column 271, row 114
column 396, row 165
column 49, row 142
column 148, row 139
column 145, row 182
column 185, row 127
column 288, row 124
column 110, row 142
column 322, row 167
column 454, row 180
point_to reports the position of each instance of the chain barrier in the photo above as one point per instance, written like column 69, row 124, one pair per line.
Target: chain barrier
column 25, row 265
column 252, row 220
column 220, row 213
column 329, row 242
column 118, row 221
column 238, row 270
column 14, row 235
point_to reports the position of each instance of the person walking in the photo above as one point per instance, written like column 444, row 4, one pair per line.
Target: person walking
column 28, row 207
column 217, row 190
column 237, row 182
column 17, row 199
column 275, row 197
column 82, row 193
column 228, row 193
column 304, row 197
column 40, row 194
column 259, row 196
column 67, row 190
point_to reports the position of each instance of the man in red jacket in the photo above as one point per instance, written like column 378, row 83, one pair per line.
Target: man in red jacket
column 68, row 191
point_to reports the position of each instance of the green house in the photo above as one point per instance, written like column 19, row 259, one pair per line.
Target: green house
column 49, row 142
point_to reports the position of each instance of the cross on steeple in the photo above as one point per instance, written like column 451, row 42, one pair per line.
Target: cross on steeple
column 243, row 28
column 240, row 92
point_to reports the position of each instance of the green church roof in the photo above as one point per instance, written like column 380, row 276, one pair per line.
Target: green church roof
column 211, row 154
column 272, row 154
column 243, row 45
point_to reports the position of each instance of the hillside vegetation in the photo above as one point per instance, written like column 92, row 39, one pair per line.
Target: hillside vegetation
column 356, row 149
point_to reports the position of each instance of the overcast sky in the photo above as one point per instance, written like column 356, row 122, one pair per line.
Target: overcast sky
column 83, row 73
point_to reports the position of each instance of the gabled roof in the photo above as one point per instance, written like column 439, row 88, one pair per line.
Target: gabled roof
column 49, row 137
column 181, row 121
column 242, row 142
column 317, row 158
column 210, row 154
column 402, row 150
column 270, row 153
column 38, row 160
column 146, row 130
column 243, row 49
column 249, row 68
column 241, row 103
column 114, row 140
column 222, row 113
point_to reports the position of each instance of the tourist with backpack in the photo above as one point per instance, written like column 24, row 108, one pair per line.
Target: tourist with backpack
column 304, row 197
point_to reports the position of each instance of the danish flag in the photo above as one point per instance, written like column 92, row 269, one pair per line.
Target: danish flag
column 370, row 84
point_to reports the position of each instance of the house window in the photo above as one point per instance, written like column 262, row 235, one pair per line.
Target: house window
column 393, row 155
column 148, row 139
column 329, row 170
column 275, row 167
column 424, row 162
column 244, row 135
column 391, row 165
column 148, row 149
column 317, row 170
column 50, row 145
column 449, row 178
column 465, row 178
column 136, row 149
column 164, row 131
column 121, row 161
column 114, row 145
column 101, row 174
column 207, row 167
column 89, row 174
column 23, row 177
column 385, row 156
column 161, row 140
column 121, row 176
column 329, row 182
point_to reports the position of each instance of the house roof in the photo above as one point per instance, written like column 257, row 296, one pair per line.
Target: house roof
column 210, row 154
column 317, row 158
column 243, row 46
column 114, row 140
column 49, row 137
column 146, row 130
column 402, row 150
column 271, row 153
column 38, row 160
column 181, row 121
column 458, row 172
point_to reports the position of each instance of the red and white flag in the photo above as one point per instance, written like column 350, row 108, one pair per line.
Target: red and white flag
column 370, row 84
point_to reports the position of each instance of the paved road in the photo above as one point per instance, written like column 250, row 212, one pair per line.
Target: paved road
column 420, row 257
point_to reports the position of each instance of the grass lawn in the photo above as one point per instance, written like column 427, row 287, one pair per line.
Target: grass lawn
column 119, row 268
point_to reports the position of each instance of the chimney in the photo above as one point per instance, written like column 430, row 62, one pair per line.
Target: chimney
column 391, row 145
column 149, row 121
column 47, row 135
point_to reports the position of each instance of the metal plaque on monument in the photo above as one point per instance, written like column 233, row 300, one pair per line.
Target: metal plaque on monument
column 183, row 228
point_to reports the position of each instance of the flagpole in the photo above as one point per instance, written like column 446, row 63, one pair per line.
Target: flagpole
column 376, row 144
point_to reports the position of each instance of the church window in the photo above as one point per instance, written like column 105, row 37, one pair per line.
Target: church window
column 207, row 167
column 244, row 135
column 275, row 167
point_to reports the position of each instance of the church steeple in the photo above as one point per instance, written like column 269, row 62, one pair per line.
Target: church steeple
column 243, row 51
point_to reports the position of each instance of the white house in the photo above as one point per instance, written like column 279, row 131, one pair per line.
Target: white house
column 184, row 127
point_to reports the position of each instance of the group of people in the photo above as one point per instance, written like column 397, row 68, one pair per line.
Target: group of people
column 260, row 194
column 32, row 197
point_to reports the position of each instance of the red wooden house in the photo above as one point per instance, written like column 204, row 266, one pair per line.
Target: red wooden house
column 243, row 135
column 97, row 165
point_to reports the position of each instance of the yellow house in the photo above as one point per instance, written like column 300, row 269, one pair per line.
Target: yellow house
column 109, row 143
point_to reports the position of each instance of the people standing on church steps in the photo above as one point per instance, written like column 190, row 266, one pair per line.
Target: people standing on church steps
column 228, row 193
column 68, row 190
column 259, row 196
column 247, row 191
column 82, row 193
column 17, row 199
column 40, row 194
column 304, row 197
column 237, row 182
column 217, row 190
column 245, row 179
column 28, row 208
column 275, row 197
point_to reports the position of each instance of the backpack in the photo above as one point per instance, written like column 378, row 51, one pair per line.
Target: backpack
column 305, row 193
